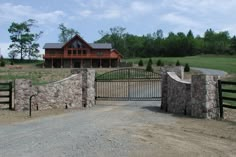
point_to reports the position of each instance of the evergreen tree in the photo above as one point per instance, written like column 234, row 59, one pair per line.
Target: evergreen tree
column 159, row 63
column 2, row 62
column 140, row 63
column 23, row 41
column 149, row 67
column 186, row 68
column 177, row 63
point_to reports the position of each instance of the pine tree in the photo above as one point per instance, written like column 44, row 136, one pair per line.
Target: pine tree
column 140, row 63
column 149, row 66
column 177, row 63
column 186, row 68
column 159, row 63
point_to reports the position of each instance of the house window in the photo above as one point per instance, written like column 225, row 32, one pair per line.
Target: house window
column 99, row 53
column 84, row 52
column 69, row 52
column 74, row 52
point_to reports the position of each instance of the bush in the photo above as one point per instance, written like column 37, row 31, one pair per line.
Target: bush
column 150, row 61
column 159, row 63
column 12, row 63
column 149, row 67
column 177, row 63
column 2, row 64
column 186, row 68
column 162, row 64
column 140, row 63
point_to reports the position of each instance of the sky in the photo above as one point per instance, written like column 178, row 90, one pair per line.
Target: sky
column 139, row 17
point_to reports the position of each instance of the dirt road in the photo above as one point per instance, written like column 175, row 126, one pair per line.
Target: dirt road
column 118, row 129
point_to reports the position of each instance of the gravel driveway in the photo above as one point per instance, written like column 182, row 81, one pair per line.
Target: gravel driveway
column 211, row 71
column 118, row 129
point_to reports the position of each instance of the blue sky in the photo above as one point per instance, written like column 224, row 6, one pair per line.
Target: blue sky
column 137, row 16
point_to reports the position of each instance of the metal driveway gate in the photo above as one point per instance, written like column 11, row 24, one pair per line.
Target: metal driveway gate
column 6, row 94
column 128, row 84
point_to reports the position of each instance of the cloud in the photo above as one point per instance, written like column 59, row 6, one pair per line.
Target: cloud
column 10, row 12
column 141, row 7
column 106, row 9
column 176, row 19
column 4, row 49
column 85, row 13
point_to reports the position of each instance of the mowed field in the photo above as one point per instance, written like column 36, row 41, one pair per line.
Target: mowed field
column 225, row 63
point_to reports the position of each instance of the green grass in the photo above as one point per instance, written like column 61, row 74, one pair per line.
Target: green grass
column 225, row 63
column 37, row 75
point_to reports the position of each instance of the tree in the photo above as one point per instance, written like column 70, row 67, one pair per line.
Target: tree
column 2, row 62
column 66, row 33
column 13, row 54
column 159, row 63
column 233, row 44
column 186, row 68
column 22, row 38
column 149, row 66
column 33, row 48
column 177, row 63
column 140, row 63
column 150, row 60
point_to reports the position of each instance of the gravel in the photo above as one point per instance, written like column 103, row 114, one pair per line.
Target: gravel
column 94, row 132
column 114, row 129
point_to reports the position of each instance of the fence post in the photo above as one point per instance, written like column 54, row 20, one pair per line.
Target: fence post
column 220, row 99
column 10, row 95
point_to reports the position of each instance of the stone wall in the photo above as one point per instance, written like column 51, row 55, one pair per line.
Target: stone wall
column 88, row 86
column 204, row 94
column 179, row 95
column 67, row 93
column 197, row 99
column 179, row 70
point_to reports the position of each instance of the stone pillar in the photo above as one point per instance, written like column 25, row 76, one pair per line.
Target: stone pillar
column 164, row 91
column 90, row 90
column 88, row 86
column 204, row 97
column 23, row 89
column 179, row 70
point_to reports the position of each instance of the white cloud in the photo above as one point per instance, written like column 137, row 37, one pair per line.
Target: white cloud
column 4, row 49
column 174, row 18
column 85, row 13
column 10, row 12
column 141, row 7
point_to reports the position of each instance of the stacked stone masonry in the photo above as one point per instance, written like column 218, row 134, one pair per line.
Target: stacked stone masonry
column 197, row 99
column 67, row 93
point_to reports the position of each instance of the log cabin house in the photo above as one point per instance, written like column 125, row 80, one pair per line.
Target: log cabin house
column 77, row 53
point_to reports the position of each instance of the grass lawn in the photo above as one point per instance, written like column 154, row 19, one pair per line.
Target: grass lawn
column 225, row 63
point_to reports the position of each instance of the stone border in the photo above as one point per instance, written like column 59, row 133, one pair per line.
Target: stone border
column 75, row 91
column 197, row 99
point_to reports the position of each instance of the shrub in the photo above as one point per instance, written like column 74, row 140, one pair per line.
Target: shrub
column 186, row 68
column 159, row 63
column 177, row 63
column 12, row 63
column 162, row 64
column 149, row 67
column 150, row 61
column 140, row 63
column 2, row 64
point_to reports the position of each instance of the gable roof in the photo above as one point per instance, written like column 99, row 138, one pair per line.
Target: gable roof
column 91, row 45
column 53, row 45
column 101, row 45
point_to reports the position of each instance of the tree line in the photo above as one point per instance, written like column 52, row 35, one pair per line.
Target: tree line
column 174, row 45
column 24, row 42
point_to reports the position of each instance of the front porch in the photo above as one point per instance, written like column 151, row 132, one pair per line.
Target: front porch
column 80, row 63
